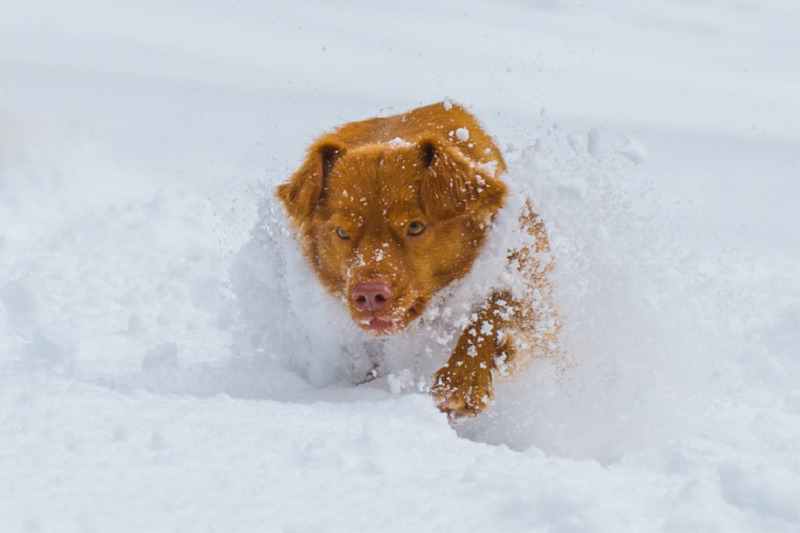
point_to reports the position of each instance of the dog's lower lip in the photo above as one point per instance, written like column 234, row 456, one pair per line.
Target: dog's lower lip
column 386, row 326
column 379, row 324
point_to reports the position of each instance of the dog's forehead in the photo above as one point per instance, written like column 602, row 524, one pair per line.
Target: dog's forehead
column 386, row 183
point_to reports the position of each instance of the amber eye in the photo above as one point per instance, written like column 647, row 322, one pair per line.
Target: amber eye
column 415, row 228
column 342, row 234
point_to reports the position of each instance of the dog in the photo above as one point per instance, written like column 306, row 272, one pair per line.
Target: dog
column 390, row 211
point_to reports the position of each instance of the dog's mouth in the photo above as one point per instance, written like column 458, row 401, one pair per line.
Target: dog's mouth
column 380, row 324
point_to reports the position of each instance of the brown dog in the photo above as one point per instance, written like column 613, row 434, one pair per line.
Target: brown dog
column 391, row 210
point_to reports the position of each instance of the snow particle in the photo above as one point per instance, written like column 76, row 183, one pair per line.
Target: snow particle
column 634, row 150
column 397, row 142
column 577, row 141
column 595, row 141
column 490, row 167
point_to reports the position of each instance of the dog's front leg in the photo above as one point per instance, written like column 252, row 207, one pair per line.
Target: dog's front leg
column 463, row 387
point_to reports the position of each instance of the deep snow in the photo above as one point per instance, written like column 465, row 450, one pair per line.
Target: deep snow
column 660, row 141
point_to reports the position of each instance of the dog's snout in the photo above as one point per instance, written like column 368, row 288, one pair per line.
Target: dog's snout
column 371, row 296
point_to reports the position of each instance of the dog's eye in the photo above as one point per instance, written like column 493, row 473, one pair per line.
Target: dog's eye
column 342, row 234
column 415, row 228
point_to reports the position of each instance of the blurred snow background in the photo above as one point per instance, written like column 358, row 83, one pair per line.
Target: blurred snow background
column 137, row 140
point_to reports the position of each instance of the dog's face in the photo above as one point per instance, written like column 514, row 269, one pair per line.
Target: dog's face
column 386, row 226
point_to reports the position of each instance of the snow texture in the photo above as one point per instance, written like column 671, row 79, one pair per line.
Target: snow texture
column 169, row 363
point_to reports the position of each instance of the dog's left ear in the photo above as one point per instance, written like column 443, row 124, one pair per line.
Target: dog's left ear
column 453, row 185
column 306, row 188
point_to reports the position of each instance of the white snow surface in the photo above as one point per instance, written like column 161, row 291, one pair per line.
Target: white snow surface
column 169, row 363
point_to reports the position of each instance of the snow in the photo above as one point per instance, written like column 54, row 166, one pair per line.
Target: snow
column 163, row 367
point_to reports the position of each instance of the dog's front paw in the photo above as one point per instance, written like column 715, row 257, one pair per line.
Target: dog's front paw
column 462, row 390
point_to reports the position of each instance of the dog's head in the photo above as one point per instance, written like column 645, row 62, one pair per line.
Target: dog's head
column 386, row 225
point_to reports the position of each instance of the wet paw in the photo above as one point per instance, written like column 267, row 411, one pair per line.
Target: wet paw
column 462, row 390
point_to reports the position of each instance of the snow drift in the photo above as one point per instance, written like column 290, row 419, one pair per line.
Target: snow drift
column 156, row 366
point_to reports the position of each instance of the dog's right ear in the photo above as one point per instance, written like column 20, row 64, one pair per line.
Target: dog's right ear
column 306, row 188
column 452, row 185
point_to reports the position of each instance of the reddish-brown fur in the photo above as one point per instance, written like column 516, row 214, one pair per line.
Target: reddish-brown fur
column 391, row 210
